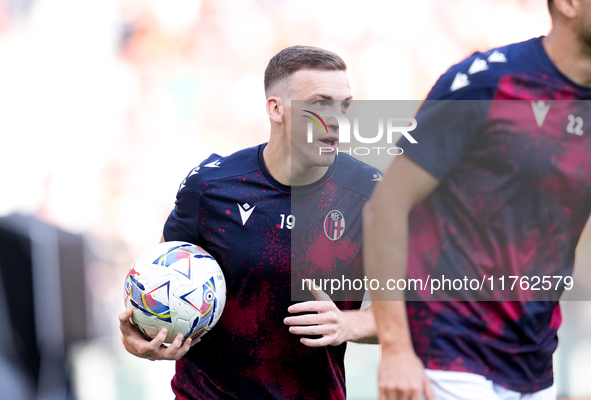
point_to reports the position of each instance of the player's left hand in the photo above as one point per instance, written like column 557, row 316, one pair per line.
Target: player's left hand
column 324, row 319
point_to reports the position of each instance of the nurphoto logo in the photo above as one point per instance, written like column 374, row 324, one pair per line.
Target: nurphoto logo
column 393, row 126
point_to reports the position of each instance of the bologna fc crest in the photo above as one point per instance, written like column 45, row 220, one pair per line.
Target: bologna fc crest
column 334, row 225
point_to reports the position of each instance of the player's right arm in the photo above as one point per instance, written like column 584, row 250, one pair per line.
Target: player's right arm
column 401, row 374
column 180, row 226
column 136, row 344
column 445, row 130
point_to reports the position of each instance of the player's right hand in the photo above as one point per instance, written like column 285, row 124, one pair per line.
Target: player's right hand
column 155, row 349
column 401, row 376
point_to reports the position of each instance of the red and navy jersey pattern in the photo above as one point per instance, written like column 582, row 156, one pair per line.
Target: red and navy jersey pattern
column 514, row 196
column 257, row 229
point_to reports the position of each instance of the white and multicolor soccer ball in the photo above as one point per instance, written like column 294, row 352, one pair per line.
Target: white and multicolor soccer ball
column 177, row 286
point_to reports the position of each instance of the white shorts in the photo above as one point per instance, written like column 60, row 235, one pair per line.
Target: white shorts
column 450, row 385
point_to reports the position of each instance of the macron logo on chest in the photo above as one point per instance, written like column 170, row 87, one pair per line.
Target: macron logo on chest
column 245, row 211
column 540, row 111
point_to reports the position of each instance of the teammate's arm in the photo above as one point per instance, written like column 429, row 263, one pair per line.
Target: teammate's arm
column 324, row 318
column 385, row 225
column 136, row 344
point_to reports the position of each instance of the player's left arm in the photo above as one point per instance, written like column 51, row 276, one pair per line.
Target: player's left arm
column 324, row 318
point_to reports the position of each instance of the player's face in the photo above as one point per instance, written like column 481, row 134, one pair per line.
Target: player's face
column 319, row 92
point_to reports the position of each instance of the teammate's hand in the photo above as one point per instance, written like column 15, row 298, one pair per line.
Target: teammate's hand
column 155, row 349
column 324, row 319
column 401, row 376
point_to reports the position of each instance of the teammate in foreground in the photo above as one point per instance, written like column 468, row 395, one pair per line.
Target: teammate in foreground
column 243, row 210
column 505, row 189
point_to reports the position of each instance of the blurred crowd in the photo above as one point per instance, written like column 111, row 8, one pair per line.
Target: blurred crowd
column 106, row 105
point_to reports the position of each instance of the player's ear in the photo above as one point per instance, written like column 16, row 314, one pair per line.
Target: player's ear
column 568, row 8
column 275, row 109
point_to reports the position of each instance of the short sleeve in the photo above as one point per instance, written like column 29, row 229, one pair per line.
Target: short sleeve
column 454, row 112
column 445, row 130
column 183, row 222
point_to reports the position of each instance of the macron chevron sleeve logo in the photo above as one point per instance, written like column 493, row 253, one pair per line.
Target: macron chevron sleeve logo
column 213, row 164
column 478, row 65
column 461, row 80
column 497, row 57
column 377, row 177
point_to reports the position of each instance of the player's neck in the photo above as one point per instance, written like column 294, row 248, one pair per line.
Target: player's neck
column 280, row 164
column 570, row 54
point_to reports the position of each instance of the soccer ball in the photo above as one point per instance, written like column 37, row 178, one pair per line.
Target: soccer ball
column 177, row 286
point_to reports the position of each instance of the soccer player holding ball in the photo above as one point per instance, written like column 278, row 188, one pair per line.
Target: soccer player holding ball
column 491, row 187
column 259, row 212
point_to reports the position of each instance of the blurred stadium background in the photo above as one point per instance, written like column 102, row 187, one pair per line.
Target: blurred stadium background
column 105, row 105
